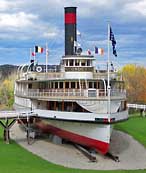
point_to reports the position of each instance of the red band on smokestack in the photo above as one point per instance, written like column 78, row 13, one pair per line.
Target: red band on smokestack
column 70, row 18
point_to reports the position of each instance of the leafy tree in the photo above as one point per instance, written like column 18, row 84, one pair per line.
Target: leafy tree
column 135, row 80
column 7, row 91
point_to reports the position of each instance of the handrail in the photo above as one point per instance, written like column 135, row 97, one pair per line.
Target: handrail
column 94, row 93
column 136, row 106
column 23, row 67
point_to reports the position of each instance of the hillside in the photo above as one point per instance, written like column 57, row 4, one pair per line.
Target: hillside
column 7, row 70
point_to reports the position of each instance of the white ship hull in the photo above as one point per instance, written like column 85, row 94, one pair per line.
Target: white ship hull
column 95, row 136
column 88, row 129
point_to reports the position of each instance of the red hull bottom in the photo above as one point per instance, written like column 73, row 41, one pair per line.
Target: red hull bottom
column 99, row 146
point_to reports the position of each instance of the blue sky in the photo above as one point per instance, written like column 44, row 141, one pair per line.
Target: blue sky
column 24, row 24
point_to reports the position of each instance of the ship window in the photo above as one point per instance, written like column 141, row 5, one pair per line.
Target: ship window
column 71, row 62
column 52, row 85
column 76, row 62
column 66, row 62
column 72, row 84
column 88, row 62
column 61, row 85
column 95, row 85
column 66, row 84
column 30, row 86
column 77, row 85
column 83, row 62
column 56, row 84
column 90, row 84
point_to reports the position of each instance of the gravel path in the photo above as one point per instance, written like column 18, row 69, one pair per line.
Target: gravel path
column 132, row 154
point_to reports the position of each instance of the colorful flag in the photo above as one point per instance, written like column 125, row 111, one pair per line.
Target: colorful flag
column 33, row 54
column 99, row 51
column 38, row 49
column 112, row 39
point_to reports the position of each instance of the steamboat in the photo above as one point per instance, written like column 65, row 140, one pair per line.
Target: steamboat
column 73, row 100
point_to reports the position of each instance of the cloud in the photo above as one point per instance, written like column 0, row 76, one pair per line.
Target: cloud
column 16, row 20
column 138, row 7
column 25, row 23
column 27, row 20
column 24, row 26
column 5, row 5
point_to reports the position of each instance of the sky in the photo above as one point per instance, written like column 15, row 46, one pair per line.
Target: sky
column 24, row 24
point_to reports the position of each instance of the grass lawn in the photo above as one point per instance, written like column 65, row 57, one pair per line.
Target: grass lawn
column 15, row 159
column 136, row 127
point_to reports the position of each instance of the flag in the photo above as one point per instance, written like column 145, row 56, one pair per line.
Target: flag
column 99, row 51
column 89, row 52
column 112, row 39
column 38, row 49
column 33, row 54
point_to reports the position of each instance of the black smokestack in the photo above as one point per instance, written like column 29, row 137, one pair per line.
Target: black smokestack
column 70, row 30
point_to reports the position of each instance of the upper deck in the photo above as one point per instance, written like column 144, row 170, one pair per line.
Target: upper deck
column 45, row 76
column 71, row 67
column 74, row 78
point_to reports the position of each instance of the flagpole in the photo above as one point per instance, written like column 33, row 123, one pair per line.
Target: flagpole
column 34, row 58
column 108, row 71
column 30, row 54
column 47, row 57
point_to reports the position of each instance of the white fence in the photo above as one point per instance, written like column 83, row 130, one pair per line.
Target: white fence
column 137, row 106
column 15, row 114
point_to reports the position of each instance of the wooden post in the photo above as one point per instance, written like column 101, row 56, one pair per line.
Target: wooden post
column 28, row 131
column 27, row 127
column 7, row 135
column 6, row 127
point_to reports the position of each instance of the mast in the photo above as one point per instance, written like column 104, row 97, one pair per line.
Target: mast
column 34, row 57
column 47, row 53
column 30, row 54
column 108, row 72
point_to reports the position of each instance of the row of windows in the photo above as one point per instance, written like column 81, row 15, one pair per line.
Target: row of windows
column 77, row 85
column 76, row 62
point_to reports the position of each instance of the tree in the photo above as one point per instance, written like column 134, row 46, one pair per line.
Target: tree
column 7, row 91
column 135, row 80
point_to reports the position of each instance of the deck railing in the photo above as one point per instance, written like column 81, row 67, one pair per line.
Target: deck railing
column 41, row 76
column 71, row 93
column 60, row 75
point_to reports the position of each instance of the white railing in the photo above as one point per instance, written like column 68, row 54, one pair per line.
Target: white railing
column 16, row 114
column 102, row 74
column 136, row 106
column 41, row 76
column 74, row 93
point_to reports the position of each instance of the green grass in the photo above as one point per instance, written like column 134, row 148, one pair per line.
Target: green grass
column 15, row 159
column 136, row 127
